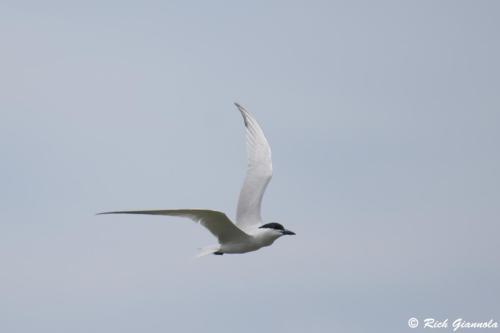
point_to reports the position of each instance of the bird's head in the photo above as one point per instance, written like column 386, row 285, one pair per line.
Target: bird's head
column 276, row 229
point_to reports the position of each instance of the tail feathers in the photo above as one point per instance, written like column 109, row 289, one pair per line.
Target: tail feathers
column 208, row 250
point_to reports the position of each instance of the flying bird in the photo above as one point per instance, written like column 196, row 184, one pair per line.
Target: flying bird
column 249, row 233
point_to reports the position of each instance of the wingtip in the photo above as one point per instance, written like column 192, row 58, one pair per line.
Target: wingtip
column 238, row 105
column 105, row 213
column 243, row 112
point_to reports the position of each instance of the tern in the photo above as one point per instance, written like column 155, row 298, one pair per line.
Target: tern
column 249, row 233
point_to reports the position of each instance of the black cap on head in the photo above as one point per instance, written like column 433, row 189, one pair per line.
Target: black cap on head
column 273, row 225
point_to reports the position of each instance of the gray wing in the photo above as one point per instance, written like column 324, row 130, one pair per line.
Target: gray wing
column 259, row 173
column 216, row 222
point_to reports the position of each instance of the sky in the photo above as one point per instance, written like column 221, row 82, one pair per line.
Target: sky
column 383, row 117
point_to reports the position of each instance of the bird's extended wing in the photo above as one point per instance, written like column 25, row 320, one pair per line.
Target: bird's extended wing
column 259, row 173
column 216, row 222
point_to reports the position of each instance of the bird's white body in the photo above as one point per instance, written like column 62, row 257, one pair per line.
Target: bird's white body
column 257, row 240
column 248, row 233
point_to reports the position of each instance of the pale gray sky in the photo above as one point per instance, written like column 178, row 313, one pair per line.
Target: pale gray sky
column 384, row 119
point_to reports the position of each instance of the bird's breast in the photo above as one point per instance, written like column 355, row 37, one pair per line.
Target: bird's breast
column 264, row 238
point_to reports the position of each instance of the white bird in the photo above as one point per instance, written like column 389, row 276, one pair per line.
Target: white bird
column 249, row 233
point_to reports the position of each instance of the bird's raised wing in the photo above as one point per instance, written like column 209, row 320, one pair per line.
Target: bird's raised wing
column 259, row 173
column 216, row 222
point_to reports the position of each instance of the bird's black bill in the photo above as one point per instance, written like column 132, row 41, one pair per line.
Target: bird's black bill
column 288, row 232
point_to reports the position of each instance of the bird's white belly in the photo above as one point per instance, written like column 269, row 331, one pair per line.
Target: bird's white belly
column 239, row 247
column 253, row 244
